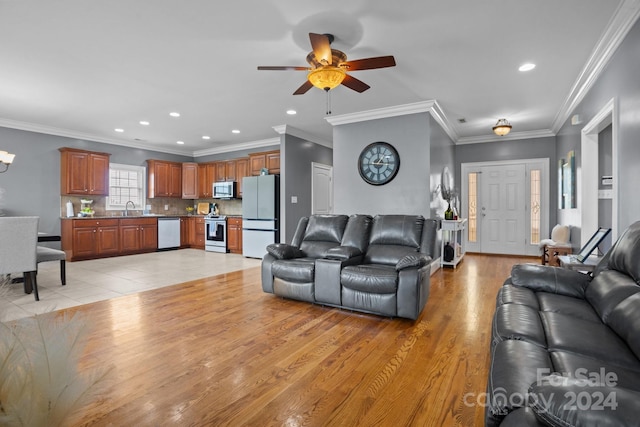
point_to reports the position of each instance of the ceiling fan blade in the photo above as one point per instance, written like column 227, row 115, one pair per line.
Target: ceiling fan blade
column 355, row 84
column 370, row 63
column 284, row 67
column 304, row 88
column 321, row 46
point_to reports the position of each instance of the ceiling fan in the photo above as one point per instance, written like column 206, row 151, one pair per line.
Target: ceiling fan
column 328, row 67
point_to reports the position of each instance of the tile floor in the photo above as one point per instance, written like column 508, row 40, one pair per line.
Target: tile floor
column 101, row 279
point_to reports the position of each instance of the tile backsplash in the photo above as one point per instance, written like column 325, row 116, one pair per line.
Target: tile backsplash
column 175, row 206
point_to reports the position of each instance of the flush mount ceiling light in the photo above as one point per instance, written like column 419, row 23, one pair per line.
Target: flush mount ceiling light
column 144, row 123
column 174, row 114
column 291, row 112
column 119, row 130
column 5, row 160
column 527, row 67
column 180, row 142
column 502, row 128
column 206, row 137
column 235, row 131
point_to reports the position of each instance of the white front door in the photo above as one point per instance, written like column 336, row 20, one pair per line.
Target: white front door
column 321, row 188
column 502, row 209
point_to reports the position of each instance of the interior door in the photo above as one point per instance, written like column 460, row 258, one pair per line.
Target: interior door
column 503, row 209
column 321, row 188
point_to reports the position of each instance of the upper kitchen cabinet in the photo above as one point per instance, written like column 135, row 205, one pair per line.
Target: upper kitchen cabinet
column 265, row 159
column 164, row 179
column 84, row 172
column 206, row 178
column 189, row 180
column 242, row 170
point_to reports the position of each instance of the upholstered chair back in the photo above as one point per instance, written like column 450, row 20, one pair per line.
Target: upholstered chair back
column 393, row 237
column 322, row 233
column 18, row 241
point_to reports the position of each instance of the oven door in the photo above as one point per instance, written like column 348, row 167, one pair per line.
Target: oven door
column 216, row 232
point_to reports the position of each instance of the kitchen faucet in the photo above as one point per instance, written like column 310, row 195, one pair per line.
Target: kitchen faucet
column 126, row 207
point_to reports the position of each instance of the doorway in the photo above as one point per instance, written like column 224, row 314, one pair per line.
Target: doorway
column 321, row 188
column 506, row 205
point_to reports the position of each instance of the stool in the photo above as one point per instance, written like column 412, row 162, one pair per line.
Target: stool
column 550, row 254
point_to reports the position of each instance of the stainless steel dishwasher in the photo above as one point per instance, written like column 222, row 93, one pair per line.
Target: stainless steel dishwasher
column 168, row 233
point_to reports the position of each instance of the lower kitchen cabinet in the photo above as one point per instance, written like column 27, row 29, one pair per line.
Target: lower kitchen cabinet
column 196, row 233
column 184, row 232
column 89, row 238
column 234, row 235
column 138, row 235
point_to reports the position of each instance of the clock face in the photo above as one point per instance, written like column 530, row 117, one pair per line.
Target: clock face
column 378, row 163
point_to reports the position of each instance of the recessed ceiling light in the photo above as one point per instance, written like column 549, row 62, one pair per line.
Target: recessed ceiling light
column 174, row 114
column 527, row 67
column 144, row 123
column 180, row 142
column 207, row 137
column 119, row 130
column 292, row 112
column 235, row 131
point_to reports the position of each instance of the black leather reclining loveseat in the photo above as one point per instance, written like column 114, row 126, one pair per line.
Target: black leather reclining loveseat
column 566, row 346
column 377, row 265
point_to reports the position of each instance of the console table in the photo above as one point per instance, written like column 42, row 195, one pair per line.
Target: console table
column 453, row 232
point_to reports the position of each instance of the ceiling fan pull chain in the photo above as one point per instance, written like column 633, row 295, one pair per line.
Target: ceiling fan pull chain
column 328, row 101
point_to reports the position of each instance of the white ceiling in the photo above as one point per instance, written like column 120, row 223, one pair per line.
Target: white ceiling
column 82, row 68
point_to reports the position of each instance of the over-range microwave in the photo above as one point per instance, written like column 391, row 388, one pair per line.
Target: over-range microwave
column 224, row 190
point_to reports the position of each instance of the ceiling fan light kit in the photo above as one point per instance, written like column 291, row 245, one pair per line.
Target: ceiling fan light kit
column 327, row 77
column 502, row 127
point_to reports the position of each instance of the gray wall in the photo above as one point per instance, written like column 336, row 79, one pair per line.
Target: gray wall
column 619, row 81
column 233, row 154
column 442, row 155
column 296, row 156
column 409, row 192
column 32, row 183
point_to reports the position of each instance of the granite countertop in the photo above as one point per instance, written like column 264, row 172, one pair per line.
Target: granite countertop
column 134, row 216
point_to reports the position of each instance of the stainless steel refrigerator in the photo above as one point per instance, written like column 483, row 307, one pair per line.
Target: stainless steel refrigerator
column 260, row 212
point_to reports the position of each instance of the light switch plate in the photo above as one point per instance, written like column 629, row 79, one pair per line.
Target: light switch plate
column 294, row 199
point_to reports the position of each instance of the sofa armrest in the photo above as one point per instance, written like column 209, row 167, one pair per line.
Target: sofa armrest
column 412, row 261
column 561, row 401
column 343, row 253
column 541, row 278
column 284, row 251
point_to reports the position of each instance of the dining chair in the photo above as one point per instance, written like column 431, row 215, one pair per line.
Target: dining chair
column 18, row 241
column 45, row 254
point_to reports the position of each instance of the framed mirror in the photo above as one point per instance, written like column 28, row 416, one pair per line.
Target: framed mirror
column 567, row 182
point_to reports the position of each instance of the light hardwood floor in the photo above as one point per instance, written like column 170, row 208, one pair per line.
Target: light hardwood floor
column 220, row 352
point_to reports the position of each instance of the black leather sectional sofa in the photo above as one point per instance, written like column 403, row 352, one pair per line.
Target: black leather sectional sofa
column 377, row 265
column 566, row 345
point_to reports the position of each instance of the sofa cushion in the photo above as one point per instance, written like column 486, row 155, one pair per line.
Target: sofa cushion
column 625, row 320
column 590, row 339
column 518, row 322
column 296, row 270
column 412, row 261
column 509, row 294
column 377, row 279
column 284, row 251
column 625, row 253
column 387, row 254
column 326, row 228
column 579, row 366
column 403, row 230
column 570, row 306
column 609, row 289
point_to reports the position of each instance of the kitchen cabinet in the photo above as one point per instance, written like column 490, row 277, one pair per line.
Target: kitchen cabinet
column 221, row 173
column 234, row 235
column 89, row 238
column 138, row 235
column 196, row 232
column 226, row 170
column 83, row 172
column 184, row 232
column 206, row 178
column 164, row 179
column 242, row 170
column 265, row 159
column 189, row 180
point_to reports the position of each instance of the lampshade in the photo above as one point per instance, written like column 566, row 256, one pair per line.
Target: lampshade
column 502, row 128
column 327, row 77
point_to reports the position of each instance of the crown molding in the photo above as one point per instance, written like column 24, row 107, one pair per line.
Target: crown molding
column 510, row 137
column 622, row 21
column 299, row 133
column 49, row 130
column 237, row 147
column 431, row 106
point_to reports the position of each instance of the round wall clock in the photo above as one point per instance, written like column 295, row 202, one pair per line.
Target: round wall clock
column 378, row 163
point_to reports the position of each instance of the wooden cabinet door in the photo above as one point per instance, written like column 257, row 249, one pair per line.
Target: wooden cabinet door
column 220, row 172
column 272, row 160
column 175, row 180
column 107, row 240
column 204, row 188
column 256, row 162
column 84, row 242
column 148, row 237
column 77, row 169
column 158, row 179
column 234, row 235
column 98, row 174
column 199, row 233
column 230, row 170
column 184, row 232
column 129, row 236
column 242, row 170
column 189, row 180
